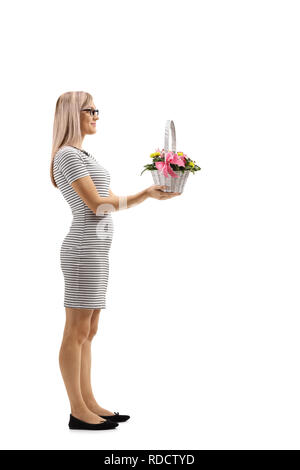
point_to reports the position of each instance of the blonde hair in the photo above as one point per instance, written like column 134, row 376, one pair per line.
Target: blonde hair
column 66, row 126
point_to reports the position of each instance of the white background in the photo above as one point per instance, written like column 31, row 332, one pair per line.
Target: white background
column 199, row 343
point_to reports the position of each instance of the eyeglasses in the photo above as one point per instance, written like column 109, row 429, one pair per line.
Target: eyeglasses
column 91, row 111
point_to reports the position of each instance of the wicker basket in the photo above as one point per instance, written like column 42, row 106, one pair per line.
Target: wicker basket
column 173, row 184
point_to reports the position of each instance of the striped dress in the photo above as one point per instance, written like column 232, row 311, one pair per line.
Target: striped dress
column 84, row 253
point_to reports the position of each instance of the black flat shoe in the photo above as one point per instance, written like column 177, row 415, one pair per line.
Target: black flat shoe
column 76, row 423
column 116, row 417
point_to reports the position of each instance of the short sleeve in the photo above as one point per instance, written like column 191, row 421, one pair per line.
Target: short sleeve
column 71, row 166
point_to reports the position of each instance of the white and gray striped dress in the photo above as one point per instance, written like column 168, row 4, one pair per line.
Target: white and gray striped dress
column 84, row 253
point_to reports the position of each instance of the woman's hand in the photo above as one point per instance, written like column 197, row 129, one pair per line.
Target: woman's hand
column 156, row 191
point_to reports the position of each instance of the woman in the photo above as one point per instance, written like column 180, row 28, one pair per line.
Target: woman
column 84, row 253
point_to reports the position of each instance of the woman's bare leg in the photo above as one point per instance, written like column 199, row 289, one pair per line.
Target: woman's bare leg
column 85, row 374
column 77, row 330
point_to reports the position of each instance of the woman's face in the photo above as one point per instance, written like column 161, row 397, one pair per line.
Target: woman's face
column 87, row 121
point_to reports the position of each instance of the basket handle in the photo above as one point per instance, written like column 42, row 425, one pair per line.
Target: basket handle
column 170, row 124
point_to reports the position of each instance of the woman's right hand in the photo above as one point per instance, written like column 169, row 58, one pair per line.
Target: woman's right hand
column 156, row 191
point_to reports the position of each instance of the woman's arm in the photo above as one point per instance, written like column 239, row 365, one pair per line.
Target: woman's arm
column 87, row 191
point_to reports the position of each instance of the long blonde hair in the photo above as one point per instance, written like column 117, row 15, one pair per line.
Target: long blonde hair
column 66, row 126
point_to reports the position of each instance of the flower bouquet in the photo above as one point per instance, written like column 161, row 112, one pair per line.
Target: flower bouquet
column 170, row 168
